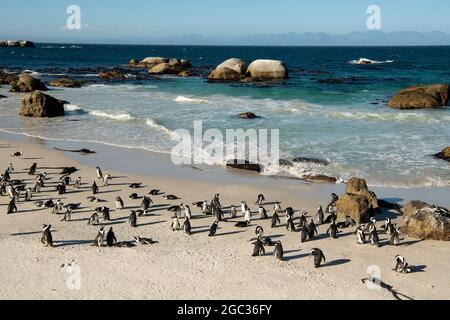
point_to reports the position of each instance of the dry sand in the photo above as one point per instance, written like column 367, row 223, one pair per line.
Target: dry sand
column 191, row 267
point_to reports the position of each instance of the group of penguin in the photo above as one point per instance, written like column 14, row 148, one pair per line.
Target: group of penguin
column 13, row 188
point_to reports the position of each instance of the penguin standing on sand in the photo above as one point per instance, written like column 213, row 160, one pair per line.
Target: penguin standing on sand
column 278, row 253
column 260, row 199
column 218, row 213
column 320, row 215
column 94, row 220
column 187, row 212
column 290, row 226
column 303, row 234
column 47, row 238
column 187, row 226
column 58, row 207
column 233, row 212
column 206, row 209
column 99, row 173
column 32, row 170
column 12, row 208
column 119, row 203
column 275, row 219
column 98, row 242
column 374, row 239
column 106, row 180
column 258, row 249
column 28, row 194
column 244, row 207
column 303, row 220
column 388, row 227
column 319, row 257
column 333, row 230
column 213, row 229
column 395, row 237
column 361, row 234
column 277, row 207
column 263, row 213
column 78, row 183
column 111, row 239
column 6, row 176
column 106, row 213
column 10, row 168
column 259, row 231
column 248, row 215
column 146, row 203
column 133, row 219
column 312, row 230
column 94, row 188
column 401, row 265
column 175, row 226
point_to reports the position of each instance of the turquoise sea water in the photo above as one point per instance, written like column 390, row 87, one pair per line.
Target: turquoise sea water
column 346, row 123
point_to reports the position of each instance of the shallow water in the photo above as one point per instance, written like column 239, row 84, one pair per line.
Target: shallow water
column 347, row 123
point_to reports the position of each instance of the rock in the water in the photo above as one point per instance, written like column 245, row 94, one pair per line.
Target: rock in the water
column 112, row 75
column 248, row 115
column 166, row 68
column 312, row 160
column 421, row 97
column 357, row 202
column 266, row 70
column 38, row 104
column 185, row 74
column 17, row 43
column 424, row 221
column 2, row 96
column 244, row 165
column 8, row 78
column 27, row 83
column 66, row 83
column 153, row 61
column 230, row 70
column 444, row 154
column 320, row 178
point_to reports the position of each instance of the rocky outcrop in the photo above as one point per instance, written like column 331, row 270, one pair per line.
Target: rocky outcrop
column 244, row 165
column 173, row 67
column 230, row 70
column 8, row 78
column 423, row 221
column 27, row 83
column 110, row 75
column 421, row 97
column 266, row 70
column 17, row 43
column 444, row 154
column 248, row 115
column 66, row 83
column 2, row 96
column 38, row 104
column 312, row 160
column 320, row 178
column 357, row 202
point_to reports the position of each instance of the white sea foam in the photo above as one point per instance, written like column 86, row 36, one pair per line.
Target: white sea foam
column 183, row 99
column 114, row 116
column 155, row 125
column 369, row 61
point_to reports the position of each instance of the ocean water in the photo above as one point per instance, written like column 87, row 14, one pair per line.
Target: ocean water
column 345, row 122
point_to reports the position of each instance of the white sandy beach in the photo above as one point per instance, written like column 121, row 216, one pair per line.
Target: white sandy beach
column 193, row 267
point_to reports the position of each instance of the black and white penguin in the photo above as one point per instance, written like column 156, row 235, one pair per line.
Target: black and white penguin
column 47, row 238
column 187, row 226
column 244, row 207
column 146, row 203
column 32, row 170
column 260, row 199
column 58, row 207
column 394, row 239
column 98, row 241
column 171, row 197
column 10, row 168
column 213, row 229
column 144, row 241
column 17, row 153
column 12, row 208
column 78, row 183
column 259, row 231
column 154, row 192
column 361, row 234
column 94, row 220
column 290, row 226
column 99, row 173
column 61, row 188
column 333, row 230
column 275, row 219
column 330, row 218
column 106, row 213
column 248, row 215
column 206, row 208
column 106, row 180
column 66, row 180
column 312, row 230
column 263, row 213
column 320, row 215
column 233, row 212
column 219, row 214
column 374, row 239
column 119, row 203
column 242, row 224
column 388, row 227
column 133, row 219
column 303, row 220
column 277, row 207
column 303, row 234
column 258, row 249
column 319, row 257
column 278, row 252
column 28, row 194
column 175, row 226
column 94, row 188
column 401, row 265
column 134, row 196
column 111, row 239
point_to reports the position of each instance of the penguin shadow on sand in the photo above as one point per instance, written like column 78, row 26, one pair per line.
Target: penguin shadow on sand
column 294, row 257
column 152, row 223
column 31, row 233
column 219, row 234
column 68, row 243
column 335, row 263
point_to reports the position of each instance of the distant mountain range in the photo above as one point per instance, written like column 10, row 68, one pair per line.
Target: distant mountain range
column 367, row 38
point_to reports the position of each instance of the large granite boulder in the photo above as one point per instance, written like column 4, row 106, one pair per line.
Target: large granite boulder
column 112, row 75
column 27, row 83
column 248, row 116
column 244, row 165
column 8, row 78
column 38, row 104
column 267, row 70
column 423, row 221
column 66, row 83
column 230, row 70
column 421, row 97
column 357, row 202
column 166, row 68
column 444, row 154
column 153, row 61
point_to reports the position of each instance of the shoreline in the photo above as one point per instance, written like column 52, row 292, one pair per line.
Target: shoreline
column 197, row 266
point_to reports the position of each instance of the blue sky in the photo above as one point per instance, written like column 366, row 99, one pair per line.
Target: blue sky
column 137, row 20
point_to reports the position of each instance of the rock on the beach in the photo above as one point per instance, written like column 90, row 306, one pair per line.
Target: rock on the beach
column 230, row 70
column 244, row 165
column 38, row 104
column 267, row 70
column 444, row 154
column 8, row 78
column 320, row 178
column 248, row 115
column 66, row 83
column 27, row 83
column 357, row 202
column 421, row 97
column 112, row 75
column 423, row 221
